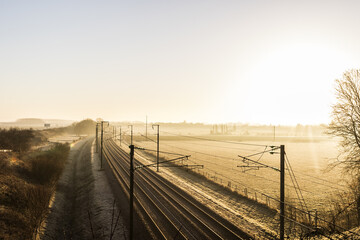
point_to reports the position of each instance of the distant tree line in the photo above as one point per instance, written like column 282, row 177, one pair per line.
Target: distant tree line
column 84, row 127
column 17, row 140
column 21, row 140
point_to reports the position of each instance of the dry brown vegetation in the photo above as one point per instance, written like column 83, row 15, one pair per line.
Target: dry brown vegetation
column 27, row 183
column 16, row 140
column 28, row 176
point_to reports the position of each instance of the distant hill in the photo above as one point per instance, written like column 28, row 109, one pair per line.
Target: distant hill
column 30, row 121
column 59, row 122
column 36, row 123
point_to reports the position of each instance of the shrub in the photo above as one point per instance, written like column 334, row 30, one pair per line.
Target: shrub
column 12, row 192
column 47, row 166
column 24, row 200
column 16, row 139
column 86, row 126
column 4, row 163
column 37, row 198
column 24, row 207
column 14, row 225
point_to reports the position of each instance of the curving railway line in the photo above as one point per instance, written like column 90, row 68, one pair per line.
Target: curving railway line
column 168, row 211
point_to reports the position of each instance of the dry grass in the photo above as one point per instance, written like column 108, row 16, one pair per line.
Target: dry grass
column 46, row 167
column 26, row 187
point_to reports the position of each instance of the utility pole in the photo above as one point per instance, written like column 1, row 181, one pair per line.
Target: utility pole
column 131, row 134
column 131, row 190
column 120, row 136
column 97, row 140
column 274, row 133
column 146, row 127
column 282, row 181
column 102, row 138
column 282, row 192
column 157, row 150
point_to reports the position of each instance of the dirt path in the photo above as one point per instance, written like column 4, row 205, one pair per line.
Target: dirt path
column 84, row 206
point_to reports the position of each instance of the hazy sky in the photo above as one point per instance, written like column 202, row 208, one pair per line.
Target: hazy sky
column 270, row 62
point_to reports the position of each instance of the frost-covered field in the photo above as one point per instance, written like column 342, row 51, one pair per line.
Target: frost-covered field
column 309, row 161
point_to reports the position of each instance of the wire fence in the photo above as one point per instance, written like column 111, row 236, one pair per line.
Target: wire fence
column 300, row 221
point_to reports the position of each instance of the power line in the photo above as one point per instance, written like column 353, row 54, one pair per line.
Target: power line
column 321, row 179
column 223, row 157
column 321, row 184
column 217, row 146
column 229, row 158
column 214, row 146
column 270, row 180
column 207, row 154
column 265, row 151
column 251, row 188
column 151, row 150
column 213, row 140
column 295, row 183
column 235, row 181
column 147, row 137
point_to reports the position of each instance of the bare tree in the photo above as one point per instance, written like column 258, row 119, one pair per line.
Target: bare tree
column 346, row 124
column 346, row 120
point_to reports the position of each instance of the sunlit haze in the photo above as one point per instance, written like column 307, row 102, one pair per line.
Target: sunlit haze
column 266, row 62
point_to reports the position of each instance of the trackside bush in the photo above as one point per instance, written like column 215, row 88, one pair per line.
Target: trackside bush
column 15, row 139
column 47, row 166
column 27, row 182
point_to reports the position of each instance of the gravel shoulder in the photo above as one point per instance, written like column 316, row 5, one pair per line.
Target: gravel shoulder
column 84, row 206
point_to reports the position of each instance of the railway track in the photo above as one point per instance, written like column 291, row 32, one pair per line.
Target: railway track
column 170, row 212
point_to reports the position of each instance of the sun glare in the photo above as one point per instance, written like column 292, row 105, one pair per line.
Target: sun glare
column 297, row 77
column 299, row 64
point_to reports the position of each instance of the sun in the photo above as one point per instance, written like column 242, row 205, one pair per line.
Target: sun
column 289, row 84
column 299, row 63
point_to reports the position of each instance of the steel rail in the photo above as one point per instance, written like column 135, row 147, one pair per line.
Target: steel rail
column 163, row 186
column 152, row 212
column 138, row 183
column 125, row 186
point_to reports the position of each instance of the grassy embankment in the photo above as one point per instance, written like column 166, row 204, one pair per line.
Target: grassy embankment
column 27, row 183
column 28, row 176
